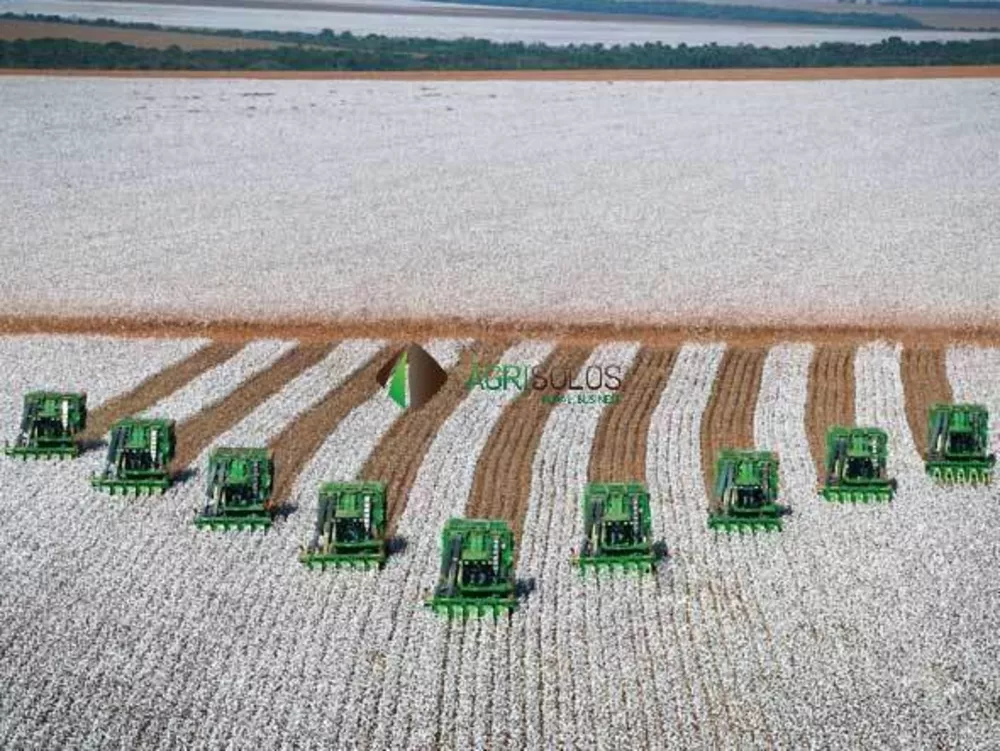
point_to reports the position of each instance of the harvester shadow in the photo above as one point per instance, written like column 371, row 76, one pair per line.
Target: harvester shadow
column 395, row 545
column 524, row 587
column 660, row 550
column 185, row 474
column 92, row 445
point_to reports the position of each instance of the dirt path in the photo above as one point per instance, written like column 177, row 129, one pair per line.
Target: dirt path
column 398, row 456
column 925, row 382
column 194, row 435
column 831, row 398
column 301, row 439
column 669, row 334
column 157, row 387
column 731, row 74
column 619, row 452
column 728, row 419
column 502, row 483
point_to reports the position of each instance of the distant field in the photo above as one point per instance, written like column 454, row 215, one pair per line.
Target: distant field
column 11, row 30
column 418, row 19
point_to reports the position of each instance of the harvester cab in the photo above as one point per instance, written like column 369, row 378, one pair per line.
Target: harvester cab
column 856, row 465
column 50, row 423
column 238, row 490
column 139, row 452
column 477, row 569
column 617, row 528
column 745, row 494
column 350, row 526
column 958, row 444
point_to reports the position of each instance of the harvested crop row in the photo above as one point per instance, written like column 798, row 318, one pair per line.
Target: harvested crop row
column 728, row 422
column 197, row 432
column 301, row 438
column 393, row 701
column 925, row 382
column 503, row 474
column 619, row 452
column 831, row 397
column 157, row 387
column 400, row 453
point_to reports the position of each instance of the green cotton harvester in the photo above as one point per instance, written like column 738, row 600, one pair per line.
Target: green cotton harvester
column 856, row 465
column 238, row 490
column 50, row 423
column 745, row 495
column 477, row 569
column 958, row 444
column 350, row 526
column 139, row 455
column 617, row 527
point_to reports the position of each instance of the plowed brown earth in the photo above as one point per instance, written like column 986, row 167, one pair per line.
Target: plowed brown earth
column 301, row 439
column 831, row 398
column 11, row 30
column 925, row 381
column 728, row 419
column 401, row 451
column 502, row 484
column 619, row 452
column 196, row 433
column 156, row 387
column 915, row 332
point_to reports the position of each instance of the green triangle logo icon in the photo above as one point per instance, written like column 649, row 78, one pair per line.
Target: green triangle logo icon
column 397, row 385
column 411, row 377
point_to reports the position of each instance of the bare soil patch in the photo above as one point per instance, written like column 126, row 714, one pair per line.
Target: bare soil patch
column 731, row 74
column 398, row 456
column 198, row 432
column 156, row 387
column 502, row 483
column 830, row 400
column 12, row 30
column 728, row 418
column 301, row 439
column 485, row 330
column 925, row 382
column 619, row 452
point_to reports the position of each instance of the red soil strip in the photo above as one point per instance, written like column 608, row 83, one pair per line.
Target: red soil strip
column 155, row 388
column 11, row 30
column 831, row 399
column 301, row 439
column 925, row 382
column 502, row 484
column 398, row 456
column 731, row 74
column 619, row 452
column 728, row 419
column 397, row 329
column 198, row 432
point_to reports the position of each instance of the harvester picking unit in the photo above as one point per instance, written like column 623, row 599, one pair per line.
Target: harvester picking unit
column 958, row 444
column 856, row 465
column 238, row 491
column 139, row 453
column 50, row 423
column 477, row 569
column 746, row 492
column 350, row 526
column 617, row 528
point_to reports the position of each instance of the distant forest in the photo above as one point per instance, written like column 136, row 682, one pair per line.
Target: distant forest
column 330, row 51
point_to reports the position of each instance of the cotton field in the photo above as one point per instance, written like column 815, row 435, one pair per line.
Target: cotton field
column 868, row 626
column 620, row 201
